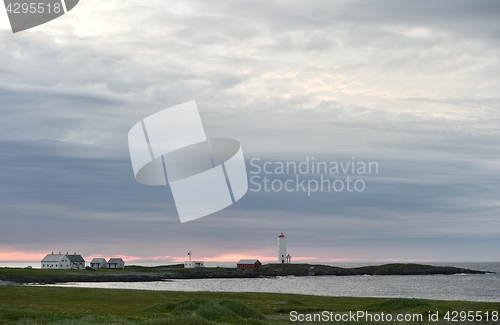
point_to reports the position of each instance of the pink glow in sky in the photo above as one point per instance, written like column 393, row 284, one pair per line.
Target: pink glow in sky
column 9, row 254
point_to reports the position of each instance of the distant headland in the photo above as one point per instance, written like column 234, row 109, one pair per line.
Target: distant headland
column 169, row 272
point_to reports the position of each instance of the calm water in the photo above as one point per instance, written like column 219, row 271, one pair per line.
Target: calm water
column 445, row 287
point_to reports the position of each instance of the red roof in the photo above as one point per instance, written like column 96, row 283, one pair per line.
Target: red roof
column 281, row 236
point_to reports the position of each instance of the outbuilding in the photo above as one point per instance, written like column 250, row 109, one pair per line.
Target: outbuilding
column 194, row 264
column 76, row 261
column 248, row 264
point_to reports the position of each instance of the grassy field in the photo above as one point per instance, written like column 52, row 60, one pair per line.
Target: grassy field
column 55, row 305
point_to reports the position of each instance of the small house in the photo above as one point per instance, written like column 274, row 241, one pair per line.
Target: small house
column 194, row 264
column 116, row 263
column 98, row 262
column 248, row 264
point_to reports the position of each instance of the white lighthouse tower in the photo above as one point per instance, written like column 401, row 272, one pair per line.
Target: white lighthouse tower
column 281, row 248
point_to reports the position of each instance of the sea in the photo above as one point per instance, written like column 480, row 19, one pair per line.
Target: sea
column 465, row 287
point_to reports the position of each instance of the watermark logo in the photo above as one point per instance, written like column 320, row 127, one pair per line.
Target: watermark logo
column 310, row 176
column 205, row 175
column 25, row 15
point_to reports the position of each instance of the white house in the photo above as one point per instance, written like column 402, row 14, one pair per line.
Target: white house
column 98, row 262
column 56, row 261
column 116, row 263
column 63, row 261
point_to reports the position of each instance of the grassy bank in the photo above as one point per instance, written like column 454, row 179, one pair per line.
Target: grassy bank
column 54, row 305
column 48, row 273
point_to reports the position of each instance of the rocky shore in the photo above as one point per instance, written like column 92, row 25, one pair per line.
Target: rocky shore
column 165, row 273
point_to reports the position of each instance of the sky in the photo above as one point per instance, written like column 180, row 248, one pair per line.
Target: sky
column 412, row 86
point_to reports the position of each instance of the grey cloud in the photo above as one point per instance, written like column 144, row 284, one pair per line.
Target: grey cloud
column 412, row 85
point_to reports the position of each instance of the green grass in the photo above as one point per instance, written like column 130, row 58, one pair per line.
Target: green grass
column 177, row 271
column 129, row 270
column 48, row 273
column 56, row 305
column 45, row 273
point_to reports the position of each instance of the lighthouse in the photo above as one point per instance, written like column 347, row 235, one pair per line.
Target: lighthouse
column 281, row 248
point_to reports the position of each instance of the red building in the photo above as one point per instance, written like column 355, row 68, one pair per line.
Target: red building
column 248, row 264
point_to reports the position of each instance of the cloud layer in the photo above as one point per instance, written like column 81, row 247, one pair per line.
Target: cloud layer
column 412, row 86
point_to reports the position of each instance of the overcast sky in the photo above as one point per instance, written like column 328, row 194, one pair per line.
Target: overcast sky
column 413, row 86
